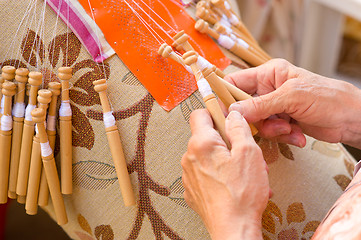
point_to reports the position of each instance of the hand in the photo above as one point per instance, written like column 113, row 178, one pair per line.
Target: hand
column 292, row 101
column 229, row 189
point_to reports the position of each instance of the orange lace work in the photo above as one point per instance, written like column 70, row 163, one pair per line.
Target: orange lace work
column 136, row 29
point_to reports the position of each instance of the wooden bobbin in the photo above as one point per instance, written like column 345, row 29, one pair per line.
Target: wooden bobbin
column 238, row 50
column 221, row 85
column 55, row 88
column 166, row 51
column 190, row 58
column 31, row 206
column 38, row 115
column 181, row 42
column 204, row 14
column 65, row 74
column 206, row 5
column 116, row 149
column 35, row 80
column 253, row 47
column 8, row 73
column 8, row 90
column 21, row 78
column 238, row 24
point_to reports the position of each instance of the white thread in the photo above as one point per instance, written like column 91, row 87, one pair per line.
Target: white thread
column 233, row 19
column 2, row 104
column 108, row 119
column 203, row 63
column 188, row 68
column 51, row 122
column 19, row 110
column 45, row 149
column 228, row 29
column 204, row 88
column 65, row 109
column 225, row 41
column 226, row 5
column 6, row 123
column 28, row 110
column 242, row 43
column 224, row 21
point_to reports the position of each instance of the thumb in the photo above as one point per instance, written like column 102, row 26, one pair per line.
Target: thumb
column 237, row 129
column 259, row 108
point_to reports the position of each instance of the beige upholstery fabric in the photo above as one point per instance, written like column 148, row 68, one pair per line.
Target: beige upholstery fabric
column 306, row 182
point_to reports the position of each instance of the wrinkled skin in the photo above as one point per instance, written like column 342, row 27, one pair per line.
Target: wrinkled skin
column 229, row 189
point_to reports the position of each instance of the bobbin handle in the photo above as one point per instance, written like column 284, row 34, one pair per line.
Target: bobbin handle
column 120, row 164
column 15, row 155
column 8, row 91
column 31, row 205
column 217, row 116
column 38, row 115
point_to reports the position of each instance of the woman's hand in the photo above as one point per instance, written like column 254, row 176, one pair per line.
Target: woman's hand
column 292, row 101
column 229, row 189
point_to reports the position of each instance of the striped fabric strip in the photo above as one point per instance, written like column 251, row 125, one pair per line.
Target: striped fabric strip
column 83, row 26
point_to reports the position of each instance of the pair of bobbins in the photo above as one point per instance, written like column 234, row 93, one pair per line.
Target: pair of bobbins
column 35, row 80
column 38, row 116
column 115, row 144
column 229, row 44
column 21, row 77
column 31, row 205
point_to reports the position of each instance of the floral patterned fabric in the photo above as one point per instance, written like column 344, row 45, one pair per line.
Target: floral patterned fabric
column 306, row 182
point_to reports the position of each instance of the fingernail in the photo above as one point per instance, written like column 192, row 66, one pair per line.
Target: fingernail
column 234, row 115
column 295, row 142
column 282, row 131
column 236, row 107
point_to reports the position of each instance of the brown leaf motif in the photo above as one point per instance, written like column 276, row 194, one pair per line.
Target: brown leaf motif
column 101, row 232
column 104, row 232
column 342, row 180
column 272, row 220
column 295, row 213
column 32, row 48
column 83, row 134
column 349, row 166
column 84, row 224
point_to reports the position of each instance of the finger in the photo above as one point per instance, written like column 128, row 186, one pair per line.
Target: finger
column 244, row 79
column 264, row 78
column 262, row 107
column 200, row 121
column 237, row 129
column 296, row 137
column 271, row 128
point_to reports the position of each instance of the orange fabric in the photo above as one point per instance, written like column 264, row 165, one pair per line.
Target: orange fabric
column 167, row 81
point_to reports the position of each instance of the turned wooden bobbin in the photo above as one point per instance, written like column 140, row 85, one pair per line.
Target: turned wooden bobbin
column 181, row 42
column 190, row 58
column 252, row 46
column 55, row 88
column 35, row 80
column 115, row 146
column 229, row 43
column 65, row 74
column 204, row 14
column 38, row 115
column 31, row 206
column 21, row 77
column 8, row 73
column 8, row 90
